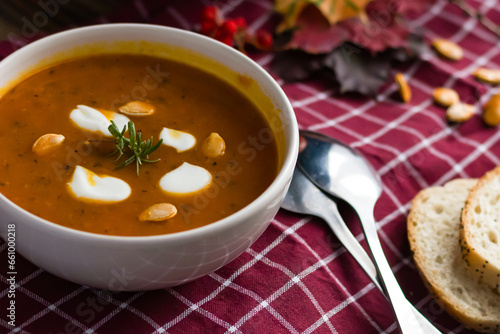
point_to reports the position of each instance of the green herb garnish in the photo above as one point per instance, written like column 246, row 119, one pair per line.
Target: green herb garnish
column 133, row 147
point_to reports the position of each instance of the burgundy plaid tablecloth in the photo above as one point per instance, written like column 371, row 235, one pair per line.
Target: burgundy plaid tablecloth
column 297, row 278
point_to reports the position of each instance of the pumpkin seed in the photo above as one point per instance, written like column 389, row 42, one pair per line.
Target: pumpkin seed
column 137, row 108
column 448, row 49
column 214, row 146
column 491, row 111
column 403, row 87
column 460, row 112
column 445, row 96
column 158, row 212
column 47, row 143
column 487, row 75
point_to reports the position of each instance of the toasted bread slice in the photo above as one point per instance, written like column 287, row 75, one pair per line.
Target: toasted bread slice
column 480, row 229
column 433, row 231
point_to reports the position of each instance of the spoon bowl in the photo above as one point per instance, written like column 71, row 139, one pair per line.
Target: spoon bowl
column 339, row 169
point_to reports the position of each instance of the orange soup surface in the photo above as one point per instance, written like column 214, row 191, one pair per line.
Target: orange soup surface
column 185, row 99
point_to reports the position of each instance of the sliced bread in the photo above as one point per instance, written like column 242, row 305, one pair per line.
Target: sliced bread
column 433, row 231
column 480, row 229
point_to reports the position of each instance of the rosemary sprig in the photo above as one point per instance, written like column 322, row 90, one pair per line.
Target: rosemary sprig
column 133, row 147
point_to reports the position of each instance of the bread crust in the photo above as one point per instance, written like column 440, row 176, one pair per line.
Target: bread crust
column 479, row 264
column 450, row 303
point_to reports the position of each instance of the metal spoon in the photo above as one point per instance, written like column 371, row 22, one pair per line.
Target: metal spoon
column 343, row 172
column 304, row 197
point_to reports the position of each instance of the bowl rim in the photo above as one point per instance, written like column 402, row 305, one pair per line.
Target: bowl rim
column 279, row 182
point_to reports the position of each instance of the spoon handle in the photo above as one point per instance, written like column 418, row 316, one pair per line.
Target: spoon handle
column 332, row 217
column 406, row 317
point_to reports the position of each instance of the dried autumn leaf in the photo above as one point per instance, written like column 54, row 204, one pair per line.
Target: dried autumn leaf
column 291, row 10
column 357, row 70
column 352, row 53
column 383, row 30
column 333, row 10
column 314, row 34
column 296, row 65
column 353, row 68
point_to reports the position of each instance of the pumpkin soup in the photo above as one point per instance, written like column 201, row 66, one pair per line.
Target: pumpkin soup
column 132, row 145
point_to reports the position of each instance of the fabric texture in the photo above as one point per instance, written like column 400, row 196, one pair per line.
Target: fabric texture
column 297, row 277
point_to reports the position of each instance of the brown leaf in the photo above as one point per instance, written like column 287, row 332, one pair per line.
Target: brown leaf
column 350, row 66
column 296, row 65
column 314, row 34
column 332, row 10
column 383, row 29
column 357, row 70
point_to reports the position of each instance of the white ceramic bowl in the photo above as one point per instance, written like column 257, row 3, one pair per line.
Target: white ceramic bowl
column 152, row 262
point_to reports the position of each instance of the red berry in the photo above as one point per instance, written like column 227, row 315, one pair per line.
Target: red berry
column 223, row 33
column 264, row 39
column 208, row 28
column 209, row 13
column 241, row 22
column 224, row 37
column 229, row 27
column 227, row 40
